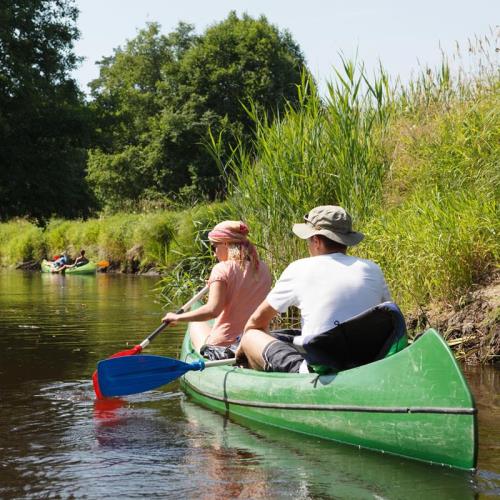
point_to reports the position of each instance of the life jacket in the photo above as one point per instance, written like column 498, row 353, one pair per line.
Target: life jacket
column 61, row 261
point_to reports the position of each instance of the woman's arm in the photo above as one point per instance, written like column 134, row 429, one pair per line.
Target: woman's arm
column 212, row 309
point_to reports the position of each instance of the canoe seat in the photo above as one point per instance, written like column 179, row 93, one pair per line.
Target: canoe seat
column 372, row 335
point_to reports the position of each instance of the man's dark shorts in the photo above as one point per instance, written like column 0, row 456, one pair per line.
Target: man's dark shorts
column 281, row 355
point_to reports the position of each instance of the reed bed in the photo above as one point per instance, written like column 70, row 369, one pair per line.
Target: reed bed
column 319, row 152
column 417, row 167
column 20, row 241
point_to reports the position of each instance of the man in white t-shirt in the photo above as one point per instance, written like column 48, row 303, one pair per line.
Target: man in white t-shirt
column 328, row 287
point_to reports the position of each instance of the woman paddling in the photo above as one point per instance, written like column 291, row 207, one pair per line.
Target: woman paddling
column 238, row 284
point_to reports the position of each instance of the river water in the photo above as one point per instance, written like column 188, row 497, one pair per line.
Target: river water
column 56, row 441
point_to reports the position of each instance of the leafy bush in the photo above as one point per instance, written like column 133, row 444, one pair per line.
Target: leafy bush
column 20, row 241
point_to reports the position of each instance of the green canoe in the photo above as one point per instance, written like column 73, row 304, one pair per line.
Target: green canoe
column 415, row 403
column 89, row 268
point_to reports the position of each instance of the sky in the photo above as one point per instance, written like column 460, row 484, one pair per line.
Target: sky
column 403, row 35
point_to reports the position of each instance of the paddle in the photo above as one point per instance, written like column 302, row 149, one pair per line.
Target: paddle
column 139, row 347
column 133, row 374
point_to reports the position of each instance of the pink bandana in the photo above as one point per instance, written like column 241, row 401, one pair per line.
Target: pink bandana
column 231, row 231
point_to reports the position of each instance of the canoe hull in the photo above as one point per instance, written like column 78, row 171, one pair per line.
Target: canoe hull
column 415, row 403
column 90, row 268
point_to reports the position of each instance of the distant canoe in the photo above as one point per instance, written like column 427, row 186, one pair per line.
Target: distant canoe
column 89, row 268
column 415, row 403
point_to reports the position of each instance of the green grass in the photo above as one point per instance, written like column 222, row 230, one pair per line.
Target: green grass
column 20, row 241
column 417, row 166
column 321, row 152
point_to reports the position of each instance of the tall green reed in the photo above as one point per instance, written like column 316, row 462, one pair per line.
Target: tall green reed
column 319, row 152
column 418, row 168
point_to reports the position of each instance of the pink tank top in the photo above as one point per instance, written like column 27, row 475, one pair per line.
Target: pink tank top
column 245, row 290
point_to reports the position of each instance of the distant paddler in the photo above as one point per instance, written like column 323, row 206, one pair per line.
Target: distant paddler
column 60, row 263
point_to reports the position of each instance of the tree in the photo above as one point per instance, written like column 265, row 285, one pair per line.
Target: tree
column 44, row 126
column 238, row 61
column 129, row 161
column 159, row 95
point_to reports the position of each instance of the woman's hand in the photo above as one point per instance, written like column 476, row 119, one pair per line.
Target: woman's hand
column 171, row 318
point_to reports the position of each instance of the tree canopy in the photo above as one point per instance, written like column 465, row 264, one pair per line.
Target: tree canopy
column 44, row 127
column 143, row 134
column 157, row 97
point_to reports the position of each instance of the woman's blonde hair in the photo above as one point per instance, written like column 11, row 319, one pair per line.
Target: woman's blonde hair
column 239, row 253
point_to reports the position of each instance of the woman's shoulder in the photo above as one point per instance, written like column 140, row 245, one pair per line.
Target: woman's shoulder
column 224, row 265
column 233, row 266
column 223, row 270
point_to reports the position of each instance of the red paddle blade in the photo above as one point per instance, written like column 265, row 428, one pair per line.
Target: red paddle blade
column 95, row 379
column 128, row 352
column 97, row 389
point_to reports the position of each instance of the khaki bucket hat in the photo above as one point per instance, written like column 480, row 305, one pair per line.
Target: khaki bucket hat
column 330, row 221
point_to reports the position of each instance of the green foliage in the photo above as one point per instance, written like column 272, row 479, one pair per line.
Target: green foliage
column 20, row 241
column 44, row 127
column 154, row 235
column 72, row 236
column 317, row 153
column 440, row 233
column 116, row 235
column 57, row 237
column 435, row 245
column 419, row 173
column 120, row 238
column 241, row 60
column 157, row 97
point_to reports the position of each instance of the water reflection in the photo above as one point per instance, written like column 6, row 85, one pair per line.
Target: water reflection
column 57, row 441
column 312, row 468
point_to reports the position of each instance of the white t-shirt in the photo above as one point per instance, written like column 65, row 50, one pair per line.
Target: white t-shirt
column 328, row 289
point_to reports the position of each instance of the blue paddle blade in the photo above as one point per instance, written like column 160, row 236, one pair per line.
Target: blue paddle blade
column 132, row 374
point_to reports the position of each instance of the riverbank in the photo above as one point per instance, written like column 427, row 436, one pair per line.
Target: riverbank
column 470, row 326
column 417, row 167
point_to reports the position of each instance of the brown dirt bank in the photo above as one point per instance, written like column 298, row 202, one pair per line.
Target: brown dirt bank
column 471, row 327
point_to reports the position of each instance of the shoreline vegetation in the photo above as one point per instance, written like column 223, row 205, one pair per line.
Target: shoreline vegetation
column 416, row 165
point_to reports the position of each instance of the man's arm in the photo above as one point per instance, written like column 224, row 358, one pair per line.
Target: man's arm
column 261, row 318
column 256, row 337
